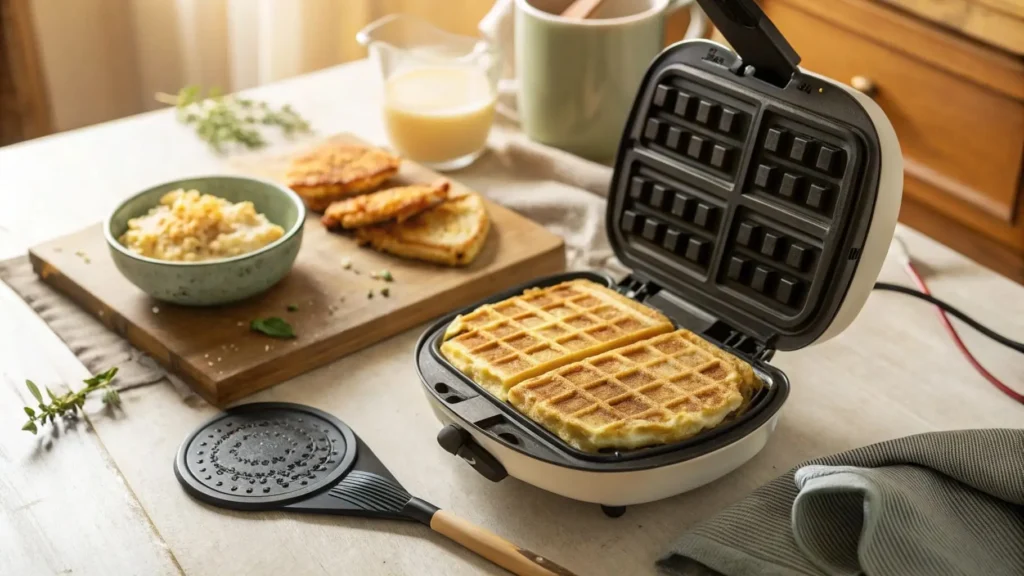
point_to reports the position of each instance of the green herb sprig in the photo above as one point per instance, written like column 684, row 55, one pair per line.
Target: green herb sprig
column 68, row 405
column 274, row 327
column 221, row 119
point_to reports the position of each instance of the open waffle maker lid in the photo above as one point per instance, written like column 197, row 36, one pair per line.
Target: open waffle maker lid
column 744, row 188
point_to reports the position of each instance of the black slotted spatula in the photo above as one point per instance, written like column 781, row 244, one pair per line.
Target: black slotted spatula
column 279, row 456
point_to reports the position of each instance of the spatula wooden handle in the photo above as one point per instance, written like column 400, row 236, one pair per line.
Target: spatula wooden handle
column 494, row 547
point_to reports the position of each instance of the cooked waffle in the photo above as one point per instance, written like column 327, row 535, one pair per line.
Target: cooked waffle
column 499, row 345
column 657, row 391
column 450, row 233
column 396, row 204
column 335, row 170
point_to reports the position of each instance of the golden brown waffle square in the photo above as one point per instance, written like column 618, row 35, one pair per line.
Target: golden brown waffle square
column 450, row 233
column 499, row 345
column 396, row 204
column 335, row 170
column 657, row 391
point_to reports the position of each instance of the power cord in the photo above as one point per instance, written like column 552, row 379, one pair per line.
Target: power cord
column 948, row 308
column 923, row 293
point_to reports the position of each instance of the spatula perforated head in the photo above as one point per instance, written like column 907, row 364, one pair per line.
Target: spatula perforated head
column 265, row 456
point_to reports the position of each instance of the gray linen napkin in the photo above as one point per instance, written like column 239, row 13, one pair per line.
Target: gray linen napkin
column 929, row 505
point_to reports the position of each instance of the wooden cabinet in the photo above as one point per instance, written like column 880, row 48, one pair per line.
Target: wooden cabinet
column 957, row 106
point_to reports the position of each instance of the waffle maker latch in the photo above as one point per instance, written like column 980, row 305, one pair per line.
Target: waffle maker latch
column 459, row 442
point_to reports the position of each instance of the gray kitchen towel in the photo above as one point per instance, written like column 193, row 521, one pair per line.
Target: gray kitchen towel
column 925, row 505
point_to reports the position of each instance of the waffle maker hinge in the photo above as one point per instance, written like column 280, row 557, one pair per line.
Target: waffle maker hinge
column 641, row 289
column 759, row 44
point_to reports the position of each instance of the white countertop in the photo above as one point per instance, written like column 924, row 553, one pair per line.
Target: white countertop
column 102, row 498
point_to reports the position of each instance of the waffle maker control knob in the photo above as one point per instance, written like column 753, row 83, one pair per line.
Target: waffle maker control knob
column 460, row 443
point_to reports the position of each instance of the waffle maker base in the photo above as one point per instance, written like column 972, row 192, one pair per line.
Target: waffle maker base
column 498, row 441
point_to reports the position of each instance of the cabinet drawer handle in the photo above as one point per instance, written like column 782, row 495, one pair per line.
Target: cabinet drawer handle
column 864, row 85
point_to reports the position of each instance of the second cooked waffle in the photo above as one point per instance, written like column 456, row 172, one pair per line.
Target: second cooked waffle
column 335, row 170
column 657, row 391
column 499, row 345
column 398, row 204
column 450, row 233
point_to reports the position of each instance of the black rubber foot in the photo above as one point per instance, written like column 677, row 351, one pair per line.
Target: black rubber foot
column 613, row 511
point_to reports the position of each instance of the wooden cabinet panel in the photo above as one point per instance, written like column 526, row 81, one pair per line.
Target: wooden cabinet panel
column 996, row 22
column 924, row 41
column 957, row 136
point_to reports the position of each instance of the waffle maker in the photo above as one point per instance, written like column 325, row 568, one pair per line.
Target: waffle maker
column 754, row 203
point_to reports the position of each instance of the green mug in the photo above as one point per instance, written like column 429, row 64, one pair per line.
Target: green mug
column 576, row 79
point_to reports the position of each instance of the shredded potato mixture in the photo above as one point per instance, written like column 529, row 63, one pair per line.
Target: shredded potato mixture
column 192, row 227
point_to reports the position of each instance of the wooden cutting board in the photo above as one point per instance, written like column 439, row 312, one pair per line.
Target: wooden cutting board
column 213, row 350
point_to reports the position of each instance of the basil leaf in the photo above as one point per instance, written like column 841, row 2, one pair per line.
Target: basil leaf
column 31, row 413
column 30, row 426
column 273, row 327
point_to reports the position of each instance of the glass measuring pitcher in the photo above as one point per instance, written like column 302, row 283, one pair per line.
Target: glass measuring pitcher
column 439, row 89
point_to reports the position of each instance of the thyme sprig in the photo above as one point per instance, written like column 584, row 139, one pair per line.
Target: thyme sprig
column 221, row 120
column 68, row 405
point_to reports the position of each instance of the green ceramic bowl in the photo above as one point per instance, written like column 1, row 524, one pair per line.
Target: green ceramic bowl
column 212, row 282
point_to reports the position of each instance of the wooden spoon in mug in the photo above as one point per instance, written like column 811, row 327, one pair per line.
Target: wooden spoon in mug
column 581, row 9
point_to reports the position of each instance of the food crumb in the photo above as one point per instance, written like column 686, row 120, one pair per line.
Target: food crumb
column 266, row 348
column 241, row 323
column 384, row 275
column 58, row 249
column 385, row 292
column 156, row 310
column 83, row 256
column 101, row 313
column 210, row 363
column 346, row 263
column 293, row 308
column 369, row 295
column 218, row 358
column 206, row 355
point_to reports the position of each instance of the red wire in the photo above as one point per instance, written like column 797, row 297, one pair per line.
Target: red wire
column 919, row 281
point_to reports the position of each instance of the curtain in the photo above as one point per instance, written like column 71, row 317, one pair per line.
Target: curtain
column 105, row 59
